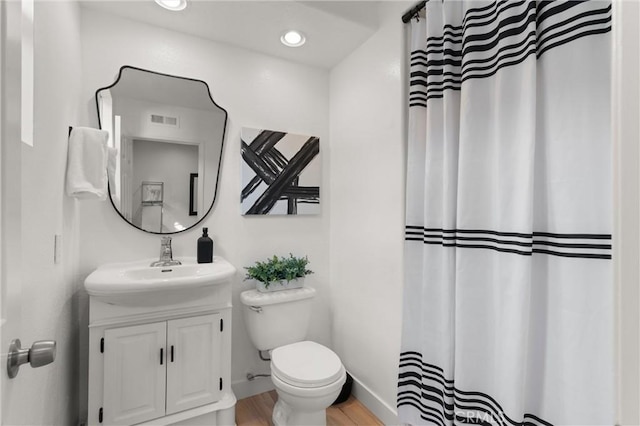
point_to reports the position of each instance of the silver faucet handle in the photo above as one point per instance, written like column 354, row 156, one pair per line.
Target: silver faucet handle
column 165, row 247
column 166, row 254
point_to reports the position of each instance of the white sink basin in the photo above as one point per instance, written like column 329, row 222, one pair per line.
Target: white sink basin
column 120, row 283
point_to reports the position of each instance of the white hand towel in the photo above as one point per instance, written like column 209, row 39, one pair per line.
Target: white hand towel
column 87, row 163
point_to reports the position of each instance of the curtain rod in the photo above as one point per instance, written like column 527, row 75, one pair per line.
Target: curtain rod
column 413, row 11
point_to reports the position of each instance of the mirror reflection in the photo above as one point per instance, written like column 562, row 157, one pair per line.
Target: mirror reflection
column 168, row 135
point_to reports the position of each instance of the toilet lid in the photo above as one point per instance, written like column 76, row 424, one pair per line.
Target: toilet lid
column 306, row 364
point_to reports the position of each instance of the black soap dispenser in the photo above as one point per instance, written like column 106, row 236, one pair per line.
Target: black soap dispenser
column 205, row 247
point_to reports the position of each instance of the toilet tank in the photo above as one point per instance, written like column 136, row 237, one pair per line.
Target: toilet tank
column 277, row 318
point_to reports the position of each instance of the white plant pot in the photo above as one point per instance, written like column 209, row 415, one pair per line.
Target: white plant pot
column 279, row 285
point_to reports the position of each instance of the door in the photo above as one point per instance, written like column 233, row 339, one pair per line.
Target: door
column 134, row 373
column 193, row 371
column 11, row 406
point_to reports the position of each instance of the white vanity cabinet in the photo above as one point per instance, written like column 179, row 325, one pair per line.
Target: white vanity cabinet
column 162, row 365
column 156, row 369
column 194, row 376
column 134, row 377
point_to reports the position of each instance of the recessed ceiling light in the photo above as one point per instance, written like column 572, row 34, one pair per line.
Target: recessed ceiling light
column 293, row 39
column 174, row 5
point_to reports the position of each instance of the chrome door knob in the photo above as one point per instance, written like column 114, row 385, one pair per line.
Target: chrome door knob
column 41, row 353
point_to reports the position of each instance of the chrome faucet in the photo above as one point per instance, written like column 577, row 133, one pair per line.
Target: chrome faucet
column 166, row 255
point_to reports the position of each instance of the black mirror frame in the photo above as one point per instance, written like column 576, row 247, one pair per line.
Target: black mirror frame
column 224, row 133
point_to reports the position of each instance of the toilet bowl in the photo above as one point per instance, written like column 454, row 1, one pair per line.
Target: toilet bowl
column 308, row 377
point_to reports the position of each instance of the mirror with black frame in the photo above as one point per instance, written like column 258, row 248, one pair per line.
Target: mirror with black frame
column 166, row 135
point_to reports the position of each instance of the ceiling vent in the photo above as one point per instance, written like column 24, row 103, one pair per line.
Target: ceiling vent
column 162, row 119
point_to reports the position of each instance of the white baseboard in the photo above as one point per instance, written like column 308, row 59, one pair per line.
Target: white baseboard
column 385, row 413
column 245, row 388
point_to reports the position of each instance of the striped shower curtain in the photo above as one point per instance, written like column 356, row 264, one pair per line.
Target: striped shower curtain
column 509, row 297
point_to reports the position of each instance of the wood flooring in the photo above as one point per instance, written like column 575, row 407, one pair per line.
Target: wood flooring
column 256, row 411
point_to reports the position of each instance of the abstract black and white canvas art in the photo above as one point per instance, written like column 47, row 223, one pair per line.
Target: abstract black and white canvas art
column 280, row 173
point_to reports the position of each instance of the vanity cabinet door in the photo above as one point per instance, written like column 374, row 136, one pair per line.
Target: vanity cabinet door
column 193, row 368
column 134, row 373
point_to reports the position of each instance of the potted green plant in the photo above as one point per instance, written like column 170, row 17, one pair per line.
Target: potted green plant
column 279, row 273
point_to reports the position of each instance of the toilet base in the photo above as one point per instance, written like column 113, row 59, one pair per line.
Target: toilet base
column 284, row 415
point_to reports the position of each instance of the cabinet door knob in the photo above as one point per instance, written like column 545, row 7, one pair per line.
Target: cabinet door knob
column 161, row 356
column 171, row 353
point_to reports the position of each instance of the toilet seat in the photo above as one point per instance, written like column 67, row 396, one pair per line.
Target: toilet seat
column 306, row 365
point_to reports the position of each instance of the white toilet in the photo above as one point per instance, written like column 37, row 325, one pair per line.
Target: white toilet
column 307, row 376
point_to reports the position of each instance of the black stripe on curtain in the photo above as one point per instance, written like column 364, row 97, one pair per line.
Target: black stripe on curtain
column 425, row 387
column 587, row 246
column 512, row 32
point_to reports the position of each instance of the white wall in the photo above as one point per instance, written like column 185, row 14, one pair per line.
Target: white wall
column 257, row 91
column 367, row 210
column 626, row 236
column 48, row 395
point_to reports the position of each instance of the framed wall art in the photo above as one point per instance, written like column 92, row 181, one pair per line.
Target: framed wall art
column 281, row 173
